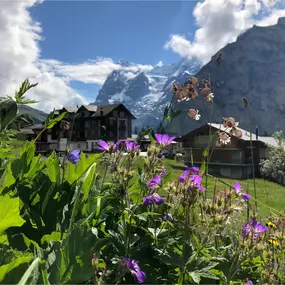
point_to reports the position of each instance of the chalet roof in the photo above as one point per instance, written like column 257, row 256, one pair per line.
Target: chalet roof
column 246, row 135
column 36, row 127
column 26, row 131
column 96, row 109
column 90, row 108
column 70, row 109
column 108, row 109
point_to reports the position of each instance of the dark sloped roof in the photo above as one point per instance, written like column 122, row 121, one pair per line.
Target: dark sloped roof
column 108, row 109
column 90, row 108
column 245, row 134
column 36, row 127
column 70, row 110
column 26, row 131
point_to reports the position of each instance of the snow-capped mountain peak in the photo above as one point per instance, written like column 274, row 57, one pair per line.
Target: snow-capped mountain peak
column 144, row 93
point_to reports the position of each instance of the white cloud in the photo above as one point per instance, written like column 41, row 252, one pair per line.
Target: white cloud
column 221, row 22
column 20, row 58
column 93, row 71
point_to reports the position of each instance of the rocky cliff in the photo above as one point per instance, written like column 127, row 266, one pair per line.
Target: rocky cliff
column 252, row 67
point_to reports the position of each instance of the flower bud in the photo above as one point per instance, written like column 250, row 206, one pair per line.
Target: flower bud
column 245, row 101
column 95, row 260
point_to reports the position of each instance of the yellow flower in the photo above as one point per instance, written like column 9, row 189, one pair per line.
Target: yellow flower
column 271, row 225
column 273, row 242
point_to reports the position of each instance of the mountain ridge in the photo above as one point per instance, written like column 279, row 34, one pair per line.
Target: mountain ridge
column 251, row 67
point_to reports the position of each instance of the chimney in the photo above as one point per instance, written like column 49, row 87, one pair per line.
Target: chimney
column 101, row 111
column 256, row 132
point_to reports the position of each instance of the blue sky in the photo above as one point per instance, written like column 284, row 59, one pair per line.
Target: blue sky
column 77, row 31
column 70, row 47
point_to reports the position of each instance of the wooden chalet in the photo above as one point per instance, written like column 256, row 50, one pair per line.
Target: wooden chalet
column 86, row 126
column 232, row 161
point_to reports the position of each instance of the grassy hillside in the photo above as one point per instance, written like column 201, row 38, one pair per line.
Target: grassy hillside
column 37, row 115
column 269, row 194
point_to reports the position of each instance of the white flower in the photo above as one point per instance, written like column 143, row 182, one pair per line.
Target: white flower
column 211, row 98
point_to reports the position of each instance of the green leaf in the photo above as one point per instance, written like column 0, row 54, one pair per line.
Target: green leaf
column 168, row 119
column 8, row 178
column 29, row 271
column 166, row 110
column 19, row 96
column 203, row 167
column 51, row 121
column 8, row 112
column 175, row 114
column 152, row 140
column 17, row 261
column 10, row 213
column 53, row 168
column 54, row 236
column 195, row 277
column 205, row 152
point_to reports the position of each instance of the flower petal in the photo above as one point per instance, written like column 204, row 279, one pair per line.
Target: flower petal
column 103, row 145
column 237, row 187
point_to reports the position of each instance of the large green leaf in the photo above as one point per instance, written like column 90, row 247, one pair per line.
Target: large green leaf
column 29, row 271
column 10, row 213
column 17, row 261
column 53, row 168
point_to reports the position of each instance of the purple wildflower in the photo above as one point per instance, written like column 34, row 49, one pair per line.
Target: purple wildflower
column 163, row 172
column 253, row 227
column 164, row 139
column 135, row 269
column 147, row 200
column 197, row 182
column 167, row 217
column 248, row 282
column 153, row 199
column 192, row 170
column 116, row 146
column 196, row 179
column 237, row 187
column 154, row 183
column 74, row 156
column 131, row 146
column 245, row 196
column 157, row 199
column 103, row 146
column 184, row 178
column 160, row 155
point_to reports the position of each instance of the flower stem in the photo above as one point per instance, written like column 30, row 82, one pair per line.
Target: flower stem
column 252, row 161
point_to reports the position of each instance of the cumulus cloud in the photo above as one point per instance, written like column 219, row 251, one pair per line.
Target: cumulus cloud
column 20, row 55
column 20, row 58
column 220, row 22
column 93, row 71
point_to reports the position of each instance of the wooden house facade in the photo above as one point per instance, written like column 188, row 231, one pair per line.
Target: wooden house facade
column 85, row 126
column 233, row 160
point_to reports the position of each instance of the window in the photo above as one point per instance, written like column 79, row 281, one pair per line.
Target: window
column 115, row 113
column 87, row 145
column 92, row 145
column 87, row 124
column 78, row 145
column 112, row 122
column 122, row 114
column 111, row 134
